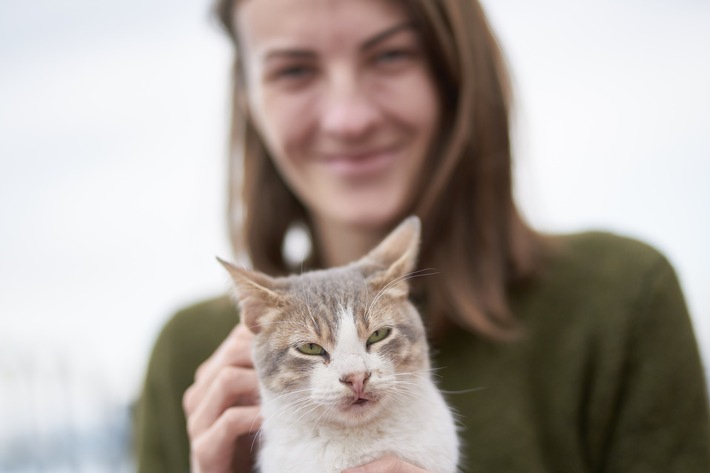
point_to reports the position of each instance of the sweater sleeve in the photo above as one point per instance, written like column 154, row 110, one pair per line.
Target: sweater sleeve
column 190, row 337
column 663, row 423
column 161, row 439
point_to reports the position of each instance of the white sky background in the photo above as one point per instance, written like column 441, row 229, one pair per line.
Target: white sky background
column 113, row 143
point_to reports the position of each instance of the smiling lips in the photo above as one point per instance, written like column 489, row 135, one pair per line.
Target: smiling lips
column 359, row 165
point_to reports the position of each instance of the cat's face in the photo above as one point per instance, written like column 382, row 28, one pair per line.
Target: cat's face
column 340, row 344
column 340, row 350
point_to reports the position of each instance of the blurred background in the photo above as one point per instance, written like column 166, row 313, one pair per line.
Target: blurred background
column 113, row 133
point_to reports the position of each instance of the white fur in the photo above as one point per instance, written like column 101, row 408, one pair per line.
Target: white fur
column 301, row 433
column 421, row 432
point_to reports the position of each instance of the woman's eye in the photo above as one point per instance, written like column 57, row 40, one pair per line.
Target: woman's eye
column 392, row 56
column 311, row 349
column 378, row 335
column 293, row 72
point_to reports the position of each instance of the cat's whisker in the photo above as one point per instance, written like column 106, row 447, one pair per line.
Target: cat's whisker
column 366, row 316
column 285, row 406
column 293, row 407
column 289, row 393
column 325, row 411
column 262, row 408
column 405, row 383
column 463, row 391
column 277, row 415
column 307, row 301
column 313, row 407
column 424, row 370
column 317, row 329
column 298, row 404
column 406, row 393
column 306, row 408
column 406, row 277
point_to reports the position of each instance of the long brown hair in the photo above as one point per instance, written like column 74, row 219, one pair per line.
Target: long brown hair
column 472, row 231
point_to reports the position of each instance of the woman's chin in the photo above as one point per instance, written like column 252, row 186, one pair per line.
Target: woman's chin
column 378, row 218
column 372, row 229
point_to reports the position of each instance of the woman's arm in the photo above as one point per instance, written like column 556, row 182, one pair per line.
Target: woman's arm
column 222, row 408
column 187, row 340
column 663, row 423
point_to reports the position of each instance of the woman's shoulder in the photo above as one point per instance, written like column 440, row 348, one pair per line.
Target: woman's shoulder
column 211, row 313
column 195, row 330
column 600, row 279
column 603, row 258
column 606, row 297
column 599, row 247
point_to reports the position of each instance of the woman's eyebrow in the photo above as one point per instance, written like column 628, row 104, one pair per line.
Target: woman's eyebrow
column 309, row 54
column 289, row 53
column 386, row 34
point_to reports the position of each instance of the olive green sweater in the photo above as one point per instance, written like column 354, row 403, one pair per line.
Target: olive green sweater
column 606, row 379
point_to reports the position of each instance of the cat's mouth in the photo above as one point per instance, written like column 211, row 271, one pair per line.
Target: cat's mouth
column 361, row 408
column 363, row 401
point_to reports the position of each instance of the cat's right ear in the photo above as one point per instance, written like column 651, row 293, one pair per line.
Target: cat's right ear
column 255, row 292
column 394, row 258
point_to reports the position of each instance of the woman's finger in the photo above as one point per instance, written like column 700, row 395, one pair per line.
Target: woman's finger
column 231, row 350
column 214, row 450
column 233, row 386
column 235, row 350
column 388, row 464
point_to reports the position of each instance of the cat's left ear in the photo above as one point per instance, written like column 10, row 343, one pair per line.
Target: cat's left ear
column 394, row 259
column 256, row 294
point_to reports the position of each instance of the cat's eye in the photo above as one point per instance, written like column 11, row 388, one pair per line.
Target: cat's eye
column 378, row 335
column 311, row 349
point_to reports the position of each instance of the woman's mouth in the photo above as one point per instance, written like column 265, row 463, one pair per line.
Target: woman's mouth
column 361, row 164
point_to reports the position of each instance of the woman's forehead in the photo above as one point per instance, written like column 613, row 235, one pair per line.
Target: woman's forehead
column 266, row 25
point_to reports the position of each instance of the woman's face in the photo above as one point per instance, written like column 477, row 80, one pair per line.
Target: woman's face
column 342, row 95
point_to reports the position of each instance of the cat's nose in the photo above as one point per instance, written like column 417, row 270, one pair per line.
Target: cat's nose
column 356, row 381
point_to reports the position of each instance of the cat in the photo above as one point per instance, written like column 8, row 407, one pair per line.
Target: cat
column 343, row 365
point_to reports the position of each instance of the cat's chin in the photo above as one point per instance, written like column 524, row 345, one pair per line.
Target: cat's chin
column 360, row 405
column 358, row 411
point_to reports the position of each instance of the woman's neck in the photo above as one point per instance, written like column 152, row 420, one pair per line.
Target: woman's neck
column 340, row 244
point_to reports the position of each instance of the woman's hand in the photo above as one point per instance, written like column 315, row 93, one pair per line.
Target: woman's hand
column 222, row 408
column 388, row 464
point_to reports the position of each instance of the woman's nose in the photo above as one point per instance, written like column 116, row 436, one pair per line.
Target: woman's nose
column 348, row 110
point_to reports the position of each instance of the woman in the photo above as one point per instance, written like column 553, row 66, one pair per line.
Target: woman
column 567, row 354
